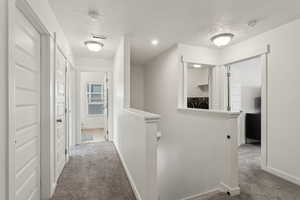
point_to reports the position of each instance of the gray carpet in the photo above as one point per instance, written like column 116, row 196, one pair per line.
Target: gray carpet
column 256, row 184
column 94, row 172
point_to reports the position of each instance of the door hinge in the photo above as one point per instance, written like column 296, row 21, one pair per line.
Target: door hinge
column 66, row 151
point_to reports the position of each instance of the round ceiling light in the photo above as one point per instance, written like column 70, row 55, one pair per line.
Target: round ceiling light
column 154, row 42
column 94, row 45
column 197, row 66
column 222, row 39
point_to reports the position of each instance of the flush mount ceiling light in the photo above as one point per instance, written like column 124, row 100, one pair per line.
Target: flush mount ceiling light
column 94, row 45
column 197, row 65
column 222, row 39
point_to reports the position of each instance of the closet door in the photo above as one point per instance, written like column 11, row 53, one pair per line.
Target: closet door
column 60, row 113
column 26, row 110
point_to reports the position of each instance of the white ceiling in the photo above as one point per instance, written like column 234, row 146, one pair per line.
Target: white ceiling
column 169, row 21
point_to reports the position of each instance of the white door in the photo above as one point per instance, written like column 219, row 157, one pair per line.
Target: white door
column 27, row 110
column 60, row 93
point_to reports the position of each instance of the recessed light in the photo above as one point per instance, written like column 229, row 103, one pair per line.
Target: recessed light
column 154, row 42
column 197, row 65
column 222, row 39
column 94, row 45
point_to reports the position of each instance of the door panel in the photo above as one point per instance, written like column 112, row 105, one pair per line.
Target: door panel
column 60, row 82
column 27, row 109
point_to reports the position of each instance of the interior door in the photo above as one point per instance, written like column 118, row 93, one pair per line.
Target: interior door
column 60, row 114
column 26, row 110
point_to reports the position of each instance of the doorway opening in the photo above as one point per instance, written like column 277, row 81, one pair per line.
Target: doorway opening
column 93, row 107
column 246, row 94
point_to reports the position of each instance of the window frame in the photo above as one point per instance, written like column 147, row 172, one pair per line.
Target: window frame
column 88, row 97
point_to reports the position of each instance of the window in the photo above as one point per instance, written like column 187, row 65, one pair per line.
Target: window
column 95, row 99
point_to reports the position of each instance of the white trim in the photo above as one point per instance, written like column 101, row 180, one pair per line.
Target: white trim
column 228, row 114
column 233, row 191
column 11, row 100
column 283, row 175
column 203, row 195
column 47, row 111
column 264, row 111
column 131, row 181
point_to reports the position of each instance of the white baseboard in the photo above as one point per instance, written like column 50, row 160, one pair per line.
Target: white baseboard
column 134, row 188
column 233, row 191
column 203, row 195
column 282, row 175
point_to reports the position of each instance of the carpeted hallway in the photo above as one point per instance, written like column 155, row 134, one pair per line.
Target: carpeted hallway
column 94, row 172
column 256, row 184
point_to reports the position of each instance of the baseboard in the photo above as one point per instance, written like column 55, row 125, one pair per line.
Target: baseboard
column 233, row 191
column 203, row 195
column 282, row 175
column 131, row 181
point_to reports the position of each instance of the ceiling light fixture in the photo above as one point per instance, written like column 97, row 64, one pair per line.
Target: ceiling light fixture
column 94, row 45
column 222, row 39
column 154, row 42
column 197, row 65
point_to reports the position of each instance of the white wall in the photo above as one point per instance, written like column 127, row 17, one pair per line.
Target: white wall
column 3, row 100
column 196, row 77
column 134, row 131
column 94, row 64
column 191, row 154
column 137, row 87
column 283, row 96
column 89, row 121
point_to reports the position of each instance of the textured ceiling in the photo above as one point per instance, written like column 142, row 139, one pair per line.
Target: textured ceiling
column 170, row 21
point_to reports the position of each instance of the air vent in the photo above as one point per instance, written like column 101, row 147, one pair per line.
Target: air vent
column 101, row 37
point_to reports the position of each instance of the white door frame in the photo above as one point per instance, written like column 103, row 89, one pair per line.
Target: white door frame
column 264, row 101
column 46, row 111
column 110, row 103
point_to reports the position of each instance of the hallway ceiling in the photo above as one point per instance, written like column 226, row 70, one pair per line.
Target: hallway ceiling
column 169, row 21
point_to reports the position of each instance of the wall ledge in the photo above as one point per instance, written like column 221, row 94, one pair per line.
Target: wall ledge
column 148, row 117
column 227, row 114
